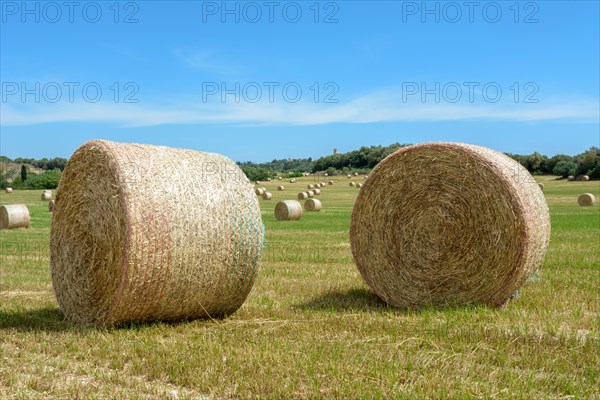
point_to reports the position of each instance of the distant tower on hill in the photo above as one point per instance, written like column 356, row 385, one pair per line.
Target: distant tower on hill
column 335, row 152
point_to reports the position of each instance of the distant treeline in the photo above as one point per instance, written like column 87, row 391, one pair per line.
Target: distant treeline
column 366, row 158
column 44, row 163
column 361, row 160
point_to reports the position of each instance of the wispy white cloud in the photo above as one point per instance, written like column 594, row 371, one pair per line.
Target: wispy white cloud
column 204, row 61
column 370, row 108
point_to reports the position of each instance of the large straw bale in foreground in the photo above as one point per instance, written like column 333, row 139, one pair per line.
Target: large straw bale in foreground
column 127, row 247
column 449, row 223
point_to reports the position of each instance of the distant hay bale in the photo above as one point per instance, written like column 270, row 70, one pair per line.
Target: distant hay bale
column 541, row 185
column 288, row 210
column 349, row 176
column 292, row 180
column 280, row 188
column 302, row 196
column 259, row 191
column 326, row 174
column 267, row 196
column 257, row 182
column 51, row 205
column 317, row 192
column 330, row 183
column 312, row 205
column 311, row 194
column 318, row 185
column 571, row 178
column 585, row 178
column 356, row 174
column 8, row 190
column 126, row 247
column 352, row 184
column 14, row 216
column 280, row 178
column 359, row 185
column 46, row 196
column 586, row 200
column 471, row 229
column 309, row 187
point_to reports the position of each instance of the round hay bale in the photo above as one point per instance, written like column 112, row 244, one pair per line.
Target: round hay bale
column 317, row 192
column 302, row 196
column 126, row 247
column 292, row 181
column 571, row 178
column 13, row 216
column 267, row 196
column 259, row 191
column 279, row 178
column 312, row 205
column 317, row 186
column 585, row 178
column 352, row 184
column 288, row 210
column 330, row 183
column 311, row 194
column 8, row 190
column 326, row 174
column 471, row 230
column 280, row 188
column 541, row 185
column 257, row 182
column 51, row 205
column 309, row 187
column 349, row 176
column 359, row 185
column 46, row 196
column 356, row 174
column 586, row 200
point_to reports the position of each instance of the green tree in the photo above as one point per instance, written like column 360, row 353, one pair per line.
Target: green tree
column 565, row 168
column 23, row 173
column 45, row 180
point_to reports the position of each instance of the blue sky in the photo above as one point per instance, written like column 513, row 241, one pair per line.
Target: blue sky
column 264, row 80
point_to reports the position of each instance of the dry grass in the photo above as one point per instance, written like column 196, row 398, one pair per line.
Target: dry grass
column 311, row 329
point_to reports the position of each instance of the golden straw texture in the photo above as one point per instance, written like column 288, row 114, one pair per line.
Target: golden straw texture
column 586, row 200
column 144, row 233
column 449, row 224
column 289, row 210
column 13, row 216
